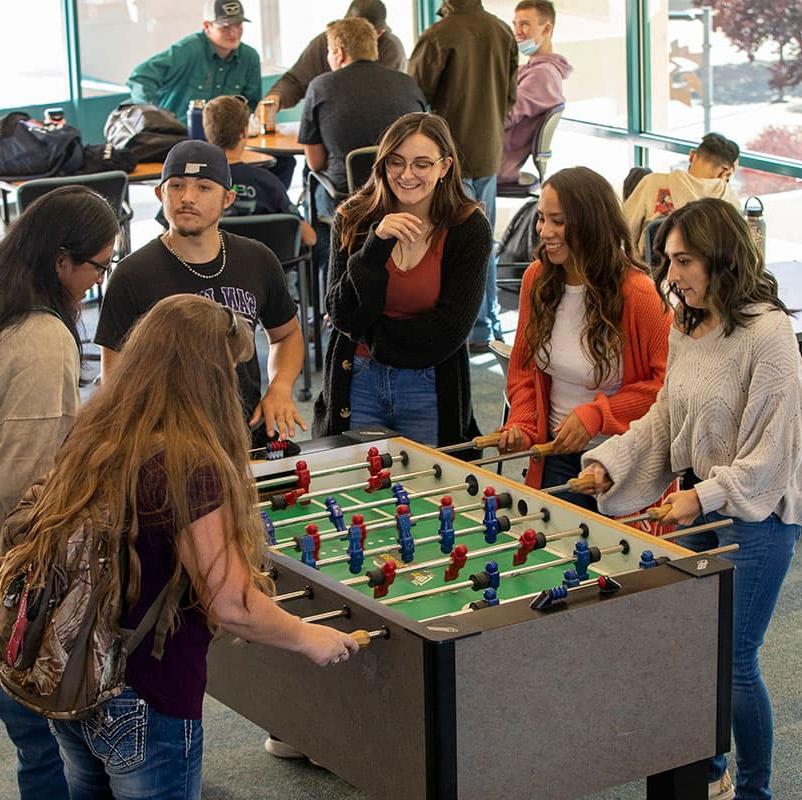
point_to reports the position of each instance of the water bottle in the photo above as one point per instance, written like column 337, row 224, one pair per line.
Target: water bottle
column 195, row 119
column 753, row 212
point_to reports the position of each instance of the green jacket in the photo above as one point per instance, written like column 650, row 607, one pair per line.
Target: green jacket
column 190, row 69
column 467, row 65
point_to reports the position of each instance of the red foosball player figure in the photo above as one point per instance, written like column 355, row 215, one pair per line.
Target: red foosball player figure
column 382, row 579
column 527, row 544
column 304, row 477
column 381, row 480
column 375, row 465
column 312, row 530
column 459, row 555
column 359, row 521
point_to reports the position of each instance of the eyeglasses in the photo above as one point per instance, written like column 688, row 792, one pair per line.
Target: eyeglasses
column 102, row 269
column 421, row 167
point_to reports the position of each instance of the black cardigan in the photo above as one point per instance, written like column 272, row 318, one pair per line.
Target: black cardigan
column 355, row 302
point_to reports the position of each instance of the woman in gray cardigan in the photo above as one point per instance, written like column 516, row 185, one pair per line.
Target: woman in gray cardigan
column 729, row 421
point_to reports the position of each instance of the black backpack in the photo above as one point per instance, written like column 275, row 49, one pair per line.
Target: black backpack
column 520, row 239
column 29, row 149
column 147, row 132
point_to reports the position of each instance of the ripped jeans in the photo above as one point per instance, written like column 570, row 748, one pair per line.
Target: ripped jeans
column 129, row 751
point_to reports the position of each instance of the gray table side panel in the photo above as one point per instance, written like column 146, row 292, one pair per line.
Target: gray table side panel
column 352, row 717
column 589, row 697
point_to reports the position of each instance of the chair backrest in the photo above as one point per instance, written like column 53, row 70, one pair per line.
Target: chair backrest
column 648, row 239
column 280, row 232
column 112, row 185
column 541, row 142
column 358, row 164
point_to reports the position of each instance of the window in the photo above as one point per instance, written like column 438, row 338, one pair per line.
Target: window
column 34, row 70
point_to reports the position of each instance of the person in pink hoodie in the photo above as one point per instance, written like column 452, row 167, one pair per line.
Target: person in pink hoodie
column 540, row 83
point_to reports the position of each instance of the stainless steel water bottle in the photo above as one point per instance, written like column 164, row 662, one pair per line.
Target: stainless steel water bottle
column 195, row 119
column 753, row 212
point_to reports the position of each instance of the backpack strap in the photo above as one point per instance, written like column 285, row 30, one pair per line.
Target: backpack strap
column 155, row 617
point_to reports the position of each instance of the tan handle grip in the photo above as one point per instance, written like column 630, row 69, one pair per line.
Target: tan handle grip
column 542, row 450
column 582, row 482
column 489, row 440
column 362, row 638
column 658, row 512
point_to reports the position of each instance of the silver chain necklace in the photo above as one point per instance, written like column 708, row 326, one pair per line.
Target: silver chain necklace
column 166, row 241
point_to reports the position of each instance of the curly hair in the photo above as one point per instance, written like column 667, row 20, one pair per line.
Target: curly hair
column 713, row 230
column 601, row 250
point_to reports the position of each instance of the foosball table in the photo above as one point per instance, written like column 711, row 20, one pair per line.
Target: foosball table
column 520, row 646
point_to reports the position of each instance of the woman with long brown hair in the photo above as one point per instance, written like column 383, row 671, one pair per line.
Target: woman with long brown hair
column 164, row 446
column 590, row 349
column 729, row 421
column 407, row 272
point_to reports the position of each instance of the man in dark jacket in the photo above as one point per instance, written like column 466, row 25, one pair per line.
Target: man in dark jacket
column 466, row 65
column 291, row 87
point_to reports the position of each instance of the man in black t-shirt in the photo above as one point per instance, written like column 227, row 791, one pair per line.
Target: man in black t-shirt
column 195, row 257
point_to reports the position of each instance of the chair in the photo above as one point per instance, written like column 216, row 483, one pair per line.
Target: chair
column 358, row 166
column 541, row 153
column 502, row 350
column 649, row 239
column 112, row 185
column 282, row 234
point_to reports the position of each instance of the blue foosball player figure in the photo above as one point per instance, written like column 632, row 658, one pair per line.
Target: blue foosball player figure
column 356, row 555
column 308, row 551
column 446, row 529
column 570, row 579
column 582, row 559
column 401, row 495
column 491, row 523
column 270, row 531
column 404, row 523
column 647, row 560
column 335, row 513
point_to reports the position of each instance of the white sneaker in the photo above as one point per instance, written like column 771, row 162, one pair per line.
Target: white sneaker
column 281, row 749
column 721, row 789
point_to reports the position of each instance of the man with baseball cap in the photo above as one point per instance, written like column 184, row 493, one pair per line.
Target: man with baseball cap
column 195, row 257
column 202, row 65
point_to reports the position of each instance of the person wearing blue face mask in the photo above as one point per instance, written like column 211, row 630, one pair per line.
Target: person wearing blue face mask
column 540, row 83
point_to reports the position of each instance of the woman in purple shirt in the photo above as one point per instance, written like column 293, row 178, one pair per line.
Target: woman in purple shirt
column 164, row 444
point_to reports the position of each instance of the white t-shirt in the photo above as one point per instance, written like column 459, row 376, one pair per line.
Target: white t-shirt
column 570, row 367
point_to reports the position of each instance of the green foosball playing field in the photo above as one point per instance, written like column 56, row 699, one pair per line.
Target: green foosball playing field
column 419, row 588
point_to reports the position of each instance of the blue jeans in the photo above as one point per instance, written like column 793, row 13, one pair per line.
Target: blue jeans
column 761, row 563
column 129, row 751
column 402, row 399
column 325, row 206
column 40, row 771
column 557, row 470
column 488, row 324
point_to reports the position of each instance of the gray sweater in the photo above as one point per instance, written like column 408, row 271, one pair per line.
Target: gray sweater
column 39, row 371
column 730, row 410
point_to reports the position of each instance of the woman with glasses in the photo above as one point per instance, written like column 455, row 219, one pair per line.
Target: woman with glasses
column 407, row 272
column 590, row 349
column 729, row 421
column 59, row 247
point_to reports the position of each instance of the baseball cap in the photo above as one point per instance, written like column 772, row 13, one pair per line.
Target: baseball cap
column 224, row 11
column 196, row 159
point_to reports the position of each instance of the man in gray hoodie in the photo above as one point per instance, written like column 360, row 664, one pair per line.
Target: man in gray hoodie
column 540, row 83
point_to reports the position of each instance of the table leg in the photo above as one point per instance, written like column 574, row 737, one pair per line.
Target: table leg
column 688, row 782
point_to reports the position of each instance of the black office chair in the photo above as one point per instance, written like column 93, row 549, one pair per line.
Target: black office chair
column 112, row 185
column 541, row 153
column 282, row 234
column 358, row 166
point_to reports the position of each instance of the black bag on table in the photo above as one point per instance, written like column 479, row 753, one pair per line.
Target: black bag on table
column 105, row 158
column 520, row 240
column 30, row 149
column 146, row 131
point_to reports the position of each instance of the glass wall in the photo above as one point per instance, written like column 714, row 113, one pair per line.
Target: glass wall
column 33, row 70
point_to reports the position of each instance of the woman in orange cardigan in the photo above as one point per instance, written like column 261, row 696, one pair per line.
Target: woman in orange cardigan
column 592, row 340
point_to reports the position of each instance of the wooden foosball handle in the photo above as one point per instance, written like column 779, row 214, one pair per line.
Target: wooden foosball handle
column 542, row 450
column 582, row 482
column 658, row 512
column 362, row 638
column 488, row 440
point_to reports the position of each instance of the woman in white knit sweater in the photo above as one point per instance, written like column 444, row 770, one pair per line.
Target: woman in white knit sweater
column 728, row 420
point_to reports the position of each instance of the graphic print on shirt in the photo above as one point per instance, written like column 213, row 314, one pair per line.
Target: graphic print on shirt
column 235, row 298
column 664, row 204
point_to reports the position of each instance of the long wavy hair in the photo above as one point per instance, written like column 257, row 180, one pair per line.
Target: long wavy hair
column 450, row 205
column 72, row 219
column 187, row 409
column 596, row 233
column 713, row 230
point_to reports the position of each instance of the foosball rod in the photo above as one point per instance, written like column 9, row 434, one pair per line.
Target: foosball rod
column 435, row 471
column 707, row 526
column 511, row 573
column 322, row 473
column 375, row 551
column 536, row 451
column 590, row 582
column 477, row 443
column 363, row 637
column 485, row 551
column 573, row 485
column 381, row 525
